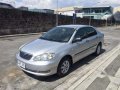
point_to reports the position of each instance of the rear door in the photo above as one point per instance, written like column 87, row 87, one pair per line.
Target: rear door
column 92, row 39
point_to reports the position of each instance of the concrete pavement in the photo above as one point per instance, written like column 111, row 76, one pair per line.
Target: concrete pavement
column 104, row 76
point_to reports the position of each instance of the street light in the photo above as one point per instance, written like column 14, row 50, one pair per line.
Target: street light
column 57, row 15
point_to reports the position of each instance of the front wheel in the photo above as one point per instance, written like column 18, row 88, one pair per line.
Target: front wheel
column 64, row 67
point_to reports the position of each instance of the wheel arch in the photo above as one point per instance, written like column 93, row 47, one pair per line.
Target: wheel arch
column 100, row 43
column 68, row 56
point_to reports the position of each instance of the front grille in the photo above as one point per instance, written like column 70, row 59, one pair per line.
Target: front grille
column 25, row 55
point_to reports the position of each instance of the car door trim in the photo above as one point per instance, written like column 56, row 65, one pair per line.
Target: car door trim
column 85, row 49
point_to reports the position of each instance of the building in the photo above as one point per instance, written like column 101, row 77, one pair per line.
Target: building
column 4, row 5
column 42, row 10
column 48, row 11
column 23, row 8
column 101, row 12
column 104, row 12
column 116, row 13
column 116, row 9
column 66, row 10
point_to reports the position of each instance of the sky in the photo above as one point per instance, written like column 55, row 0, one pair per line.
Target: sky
column 52, row 4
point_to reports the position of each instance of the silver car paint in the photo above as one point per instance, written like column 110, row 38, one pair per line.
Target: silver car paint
column 77, row 50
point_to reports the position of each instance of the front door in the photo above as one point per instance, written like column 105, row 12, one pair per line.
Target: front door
column 80, row 48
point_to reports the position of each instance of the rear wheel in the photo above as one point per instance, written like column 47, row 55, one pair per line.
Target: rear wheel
column 98, row 49
column 64, row 67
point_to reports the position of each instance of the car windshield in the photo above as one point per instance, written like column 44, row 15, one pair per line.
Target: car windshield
column 58, row 34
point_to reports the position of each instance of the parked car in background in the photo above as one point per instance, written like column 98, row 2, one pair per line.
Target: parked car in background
column 59, row 48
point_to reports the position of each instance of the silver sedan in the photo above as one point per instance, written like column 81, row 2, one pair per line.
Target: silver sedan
column 59, row 48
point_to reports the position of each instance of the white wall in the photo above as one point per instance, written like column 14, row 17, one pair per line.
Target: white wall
column 69, row 13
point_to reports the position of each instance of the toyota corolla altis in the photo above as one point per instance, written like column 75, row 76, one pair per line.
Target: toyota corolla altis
column 59, row 48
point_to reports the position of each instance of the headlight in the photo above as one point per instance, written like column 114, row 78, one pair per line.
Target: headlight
column 44, row 57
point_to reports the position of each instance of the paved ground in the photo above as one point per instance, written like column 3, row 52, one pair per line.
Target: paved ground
column 108, row 82
column 12, row 78
column 104, row 77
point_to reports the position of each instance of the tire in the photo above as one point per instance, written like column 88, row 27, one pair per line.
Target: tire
column 64, row 67
column 98, row 50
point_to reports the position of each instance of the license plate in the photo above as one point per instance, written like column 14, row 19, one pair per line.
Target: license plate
column 21, row 64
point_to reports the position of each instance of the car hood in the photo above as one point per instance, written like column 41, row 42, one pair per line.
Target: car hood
column 40, row 46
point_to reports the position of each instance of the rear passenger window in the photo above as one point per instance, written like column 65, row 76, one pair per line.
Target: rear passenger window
column 90, row 31
column 81, row 33
column 85, row 32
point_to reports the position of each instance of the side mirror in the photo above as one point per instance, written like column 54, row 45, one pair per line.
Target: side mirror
column 77, row 40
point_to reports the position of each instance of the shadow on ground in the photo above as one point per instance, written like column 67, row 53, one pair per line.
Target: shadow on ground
column 77, row 65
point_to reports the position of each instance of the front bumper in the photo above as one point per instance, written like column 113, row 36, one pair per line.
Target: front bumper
column 40, row 68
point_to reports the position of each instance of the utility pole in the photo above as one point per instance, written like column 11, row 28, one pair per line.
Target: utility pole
column 57, row 15
column 106, row 22
column 74, row 18
column 90, row 18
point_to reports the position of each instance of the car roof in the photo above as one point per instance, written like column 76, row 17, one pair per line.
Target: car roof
column 74, row 26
